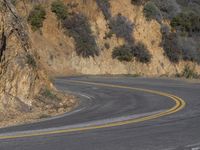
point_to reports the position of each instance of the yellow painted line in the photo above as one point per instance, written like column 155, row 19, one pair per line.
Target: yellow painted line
column 179, row 104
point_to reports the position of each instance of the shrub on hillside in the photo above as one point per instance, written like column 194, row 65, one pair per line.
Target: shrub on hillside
column 187, row 21
column 138, row 2
column 48, row 94
column 189, row 49
column 193, row 5
column 128, row 52
column 168, row 8
column 2, row 6
column 36, row 17
column 104, row 5
column 122, row 53
column 165, row 29
column 188, row 73
column 14, row 2
column 171, row 48
column 122, row 27
column 79, row 28
column 30, row 60
column 141, row 53
column 180, row 48
column 186, row 3
column 151, row 11
column 59, row 8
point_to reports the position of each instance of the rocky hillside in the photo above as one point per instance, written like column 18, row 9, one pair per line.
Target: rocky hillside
column 64, row 37
column 25, row 91
column 146, row 37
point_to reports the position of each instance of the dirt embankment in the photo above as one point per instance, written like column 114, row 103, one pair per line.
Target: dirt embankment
column 26, row 93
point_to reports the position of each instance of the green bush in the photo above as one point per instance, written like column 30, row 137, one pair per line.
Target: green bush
column 181, row 22
column 31, row 61
column 122, row 53
column 48, row 94
column 128, row 52
column 151, row 11
column 170, row 46
column 59, row 9
column 14, row 2
column 104, row 5
column 122, row 27
column 179, row 48
column 186, row 3
column 138, row 2
column 187, row 21
column 189, row 48
column 141, row 53
column 36, row 17
column 168, row 8
column 77, row 26
column 188, row 73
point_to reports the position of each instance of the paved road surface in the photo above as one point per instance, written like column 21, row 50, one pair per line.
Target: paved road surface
column 102, row 105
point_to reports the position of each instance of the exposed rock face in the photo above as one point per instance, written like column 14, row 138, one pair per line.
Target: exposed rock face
column 17, row 77
column 21, row 79
column 57, row 50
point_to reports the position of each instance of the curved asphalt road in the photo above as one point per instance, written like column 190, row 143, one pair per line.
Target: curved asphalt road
column 101, row 105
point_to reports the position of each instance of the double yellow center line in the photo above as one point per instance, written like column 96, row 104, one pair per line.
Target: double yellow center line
column 179, row 104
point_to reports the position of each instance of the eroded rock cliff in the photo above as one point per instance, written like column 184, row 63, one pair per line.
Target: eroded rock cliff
column 25, row 91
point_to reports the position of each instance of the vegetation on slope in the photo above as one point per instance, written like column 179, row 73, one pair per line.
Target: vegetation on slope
column 129, row 52
column 59, row 9
column 188, row 73
column 179, row 20
column 79, row 28
column 181, row 41
column 122, row 27
column 36, row 17
column 104, row 5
